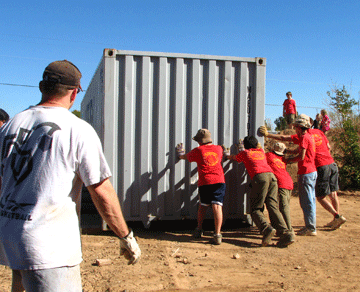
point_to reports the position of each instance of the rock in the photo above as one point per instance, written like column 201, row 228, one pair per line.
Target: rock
column 236, row 256
column 102, row 262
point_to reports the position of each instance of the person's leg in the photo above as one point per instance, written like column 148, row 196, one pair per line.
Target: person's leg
column 288, row 121
column 307, row 199
column 16, row 282
column 323, row 188
column 334, row 187
column 284, row 206
column 327, row 205
column 203, row 206
column 201, row 215
column 63, row 279
column 260, row 186
column 272, row 205
column 218, row 217
column 335, row 201
column 327, row 184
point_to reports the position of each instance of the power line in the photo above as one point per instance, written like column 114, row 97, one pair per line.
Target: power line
column 24, row 85
column 296, row 106
column 21, row 85
column 268, row 104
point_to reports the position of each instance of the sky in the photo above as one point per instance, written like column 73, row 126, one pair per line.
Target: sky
column 310, row 47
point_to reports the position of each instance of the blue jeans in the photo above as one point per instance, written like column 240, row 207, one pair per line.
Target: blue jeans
column 307, row 198
column 66, row 279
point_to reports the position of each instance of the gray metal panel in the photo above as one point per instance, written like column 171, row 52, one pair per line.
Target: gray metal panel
column 151, row 102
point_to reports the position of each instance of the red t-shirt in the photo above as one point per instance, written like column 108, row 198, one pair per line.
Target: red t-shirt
column 289, row 106
column 306, row 142
column 254, row 160
column 325, row 123
column 277, row 164
column 208, row 159
column 322, row 155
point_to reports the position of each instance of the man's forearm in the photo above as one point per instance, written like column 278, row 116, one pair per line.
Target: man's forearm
column 107, row 203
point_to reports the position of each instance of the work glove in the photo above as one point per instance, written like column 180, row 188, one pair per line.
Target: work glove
column 226, row 152
column 130, row 249
column 180, row 150
column 263, row 131
column 240, row 145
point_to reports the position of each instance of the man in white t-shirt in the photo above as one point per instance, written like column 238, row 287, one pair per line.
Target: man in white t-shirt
column 46, row 155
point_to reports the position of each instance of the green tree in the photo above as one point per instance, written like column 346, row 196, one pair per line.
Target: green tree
column 77, row 113
column 346, row 138
column 342, row 103
column 347, row 141
column 280, row 123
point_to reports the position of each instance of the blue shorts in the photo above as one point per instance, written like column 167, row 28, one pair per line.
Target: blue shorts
column 212, row 194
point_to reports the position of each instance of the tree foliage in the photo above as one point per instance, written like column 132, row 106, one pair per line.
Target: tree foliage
column 280, row 124
column 342, row 104
column 77, row 113
column 346, row 139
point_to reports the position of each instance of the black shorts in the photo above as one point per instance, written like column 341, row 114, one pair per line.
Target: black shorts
column 212, row 194
column 327, row 180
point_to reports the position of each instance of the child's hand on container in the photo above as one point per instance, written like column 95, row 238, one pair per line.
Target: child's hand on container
column 180, row 150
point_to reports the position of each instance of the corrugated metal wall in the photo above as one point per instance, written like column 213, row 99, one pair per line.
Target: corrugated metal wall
column 142, row 104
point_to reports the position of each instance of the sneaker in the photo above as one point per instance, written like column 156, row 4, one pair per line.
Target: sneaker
column 306, row 232
column 286, row 239
column 330, row 224
column 198, row 233
column 217, row 238
column 268, row 234
column 338, row 222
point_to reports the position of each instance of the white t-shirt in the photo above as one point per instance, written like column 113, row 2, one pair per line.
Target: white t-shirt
column 46, row 153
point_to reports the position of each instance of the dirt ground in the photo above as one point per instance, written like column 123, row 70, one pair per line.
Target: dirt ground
column 174, row 261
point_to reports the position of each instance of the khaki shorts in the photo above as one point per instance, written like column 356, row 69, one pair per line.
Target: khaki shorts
column 290, row 119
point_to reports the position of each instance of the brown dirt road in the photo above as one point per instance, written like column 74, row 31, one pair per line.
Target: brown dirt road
column 173, row 261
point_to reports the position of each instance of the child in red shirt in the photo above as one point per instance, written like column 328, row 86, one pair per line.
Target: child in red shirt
column 285, row 184
column 289, row 110
column 325, row 122
column 211, row 180
column 307, row 173
column 327, row 172
column 263, row 192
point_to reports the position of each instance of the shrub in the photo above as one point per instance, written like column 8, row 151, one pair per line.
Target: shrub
column 348, row 156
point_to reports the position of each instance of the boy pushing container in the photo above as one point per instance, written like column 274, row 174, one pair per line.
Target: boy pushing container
column 277, row 162
column 264, row 191
column 211, row 180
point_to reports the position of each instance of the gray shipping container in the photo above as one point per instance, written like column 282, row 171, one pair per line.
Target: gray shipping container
column 142, row 104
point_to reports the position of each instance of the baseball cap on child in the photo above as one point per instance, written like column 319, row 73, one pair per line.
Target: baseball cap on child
column 63, row 72
column 279, row 148
column 203, row 136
